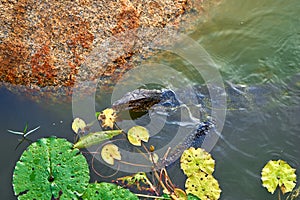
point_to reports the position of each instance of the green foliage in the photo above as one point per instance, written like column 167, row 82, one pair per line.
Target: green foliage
column 198, row 165
column 192, row 197
column 278, row 173
column 105, row 191
column 95, row 138
column 51, row 167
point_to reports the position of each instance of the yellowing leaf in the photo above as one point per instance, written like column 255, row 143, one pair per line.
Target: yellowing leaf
column 278, row 173
column 109, row 153
column 137, row 179
column 179, row 194
column 108, row 117
column 137, row 134
column 154, row 158
column 95, row 138
column 78, row 125
column 196, row 160
column 203, row 185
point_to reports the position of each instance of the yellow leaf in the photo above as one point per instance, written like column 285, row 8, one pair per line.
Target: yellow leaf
column 137, row 134
column 203, row 185
column 78, row 125
column 179, row 194
column 108, row 117
column 109, row 153
column 196, row 160
column 278, row 173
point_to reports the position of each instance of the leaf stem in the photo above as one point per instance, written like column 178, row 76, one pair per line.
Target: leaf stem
column 149, row 196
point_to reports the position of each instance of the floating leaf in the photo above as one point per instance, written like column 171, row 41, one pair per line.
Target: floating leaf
column 137, row 134
column 108, row 117
column 78, row 125
column 203, row 185
column 95, row 138
column 105, row 191
column 109, row 153
column 278, row 173
column 196, row 160
column 51, row 167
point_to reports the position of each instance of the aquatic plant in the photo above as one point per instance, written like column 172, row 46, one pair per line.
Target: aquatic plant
column 109, row 153
column 104, row 191
column 137, row 134
column 78, row 125
column 96, row 138
column 51, row 168
column 108, row 117
column 24, row 133
column 278, row 174
column 140, row 180
column 198, row 165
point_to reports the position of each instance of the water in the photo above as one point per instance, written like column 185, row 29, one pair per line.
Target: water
column 254, row 42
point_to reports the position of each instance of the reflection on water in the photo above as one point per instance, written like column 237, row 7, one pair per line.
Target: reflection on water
column 254, row 42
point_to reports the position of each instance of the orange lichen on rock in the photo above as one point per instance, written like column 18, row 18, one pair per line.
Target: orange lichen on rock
column 44, row 45
column 127, row 19
column 82, row 39
column 13, row 58
column 43, row 70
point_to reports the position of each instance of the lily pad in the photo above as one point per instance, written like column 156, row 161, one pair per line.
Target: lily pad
column 278, row 173
column 192, row 197
column 203, row 185
column 109, row 153
column 50, row 168
column 105, row 191
column 137, row 134
column 108, row 117
column 196, row 160
column 78, row 125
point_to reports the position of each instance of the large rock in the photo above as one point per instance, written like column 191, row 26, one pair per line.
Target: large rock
column 44, row 44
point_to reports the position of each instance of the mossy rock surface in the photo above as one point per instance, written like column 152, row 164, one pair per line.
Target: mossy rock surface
column 51, row 168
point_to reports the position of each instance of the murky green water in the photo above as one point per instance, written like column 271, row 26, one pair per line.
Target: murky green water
column 255, row 43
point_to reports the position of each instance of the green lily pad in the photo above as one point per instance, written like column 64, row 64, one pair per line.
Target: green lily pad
column 278, row 173
column 203, row 185
column 196, row 160
column 192, row 197
column 105, row 191
column 137, row 134
column 50, row 168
